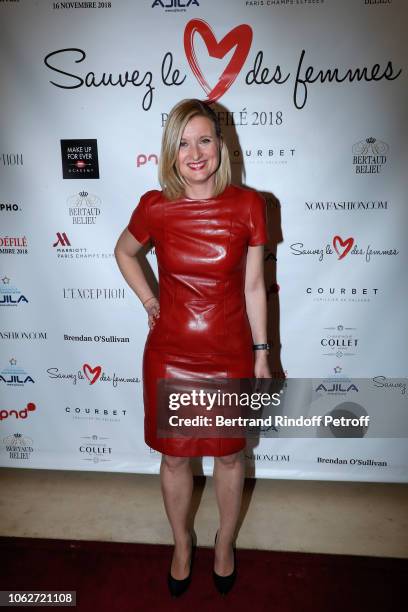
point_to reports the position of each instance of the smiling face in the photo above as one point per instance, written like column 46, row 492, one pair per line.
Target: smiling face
column 199, row 156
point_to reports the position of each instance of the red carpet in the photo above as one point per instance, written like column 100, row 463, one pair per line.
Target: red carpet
column 131, row 577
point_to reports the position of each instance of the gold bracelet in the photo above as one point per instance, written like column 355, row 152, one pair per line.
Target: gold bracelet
column 150, row 298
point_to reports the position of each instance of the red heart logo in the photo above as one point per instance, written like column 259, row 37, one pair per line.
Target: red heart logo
column 95, row 372
column 345, row 244
column 240, row 38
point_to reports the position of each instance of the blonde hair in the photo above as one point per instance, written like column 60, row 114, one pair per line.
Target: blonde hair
column 172, row 183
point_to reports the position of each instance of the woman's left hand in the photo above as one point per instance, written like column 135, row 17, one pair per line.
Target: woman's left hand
column 261, row 367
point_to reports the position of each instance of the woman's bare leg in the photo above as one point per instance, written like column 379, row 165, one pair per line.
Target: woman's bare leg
column 229, row 473
column 176, row 481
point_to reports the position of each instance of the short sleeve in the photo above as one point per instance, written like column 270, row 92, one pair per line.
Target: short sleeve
column 258, row 230
column 139, row 223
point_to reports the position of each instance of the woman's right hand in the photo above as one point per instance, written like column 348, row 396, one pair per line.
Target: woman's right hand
column 152, row 308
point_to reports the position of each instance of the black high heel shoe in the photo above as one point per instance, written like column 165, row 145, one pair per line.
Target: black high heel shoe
column 225, row 583
column 178, row 587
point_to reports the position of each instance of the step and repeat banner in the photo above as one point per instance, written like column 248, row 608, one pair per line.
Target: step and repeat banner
column 312, row 97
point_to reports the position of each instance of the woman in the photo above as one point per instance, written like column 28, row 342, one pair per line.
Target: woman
column 210, row 319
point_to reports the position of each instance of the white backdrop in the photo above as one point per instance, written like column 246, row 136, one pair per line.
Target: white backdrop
column 328, row 149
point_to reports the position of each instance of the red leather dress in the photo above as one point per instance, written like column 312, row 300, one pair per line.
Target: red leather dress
column 203, row 330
